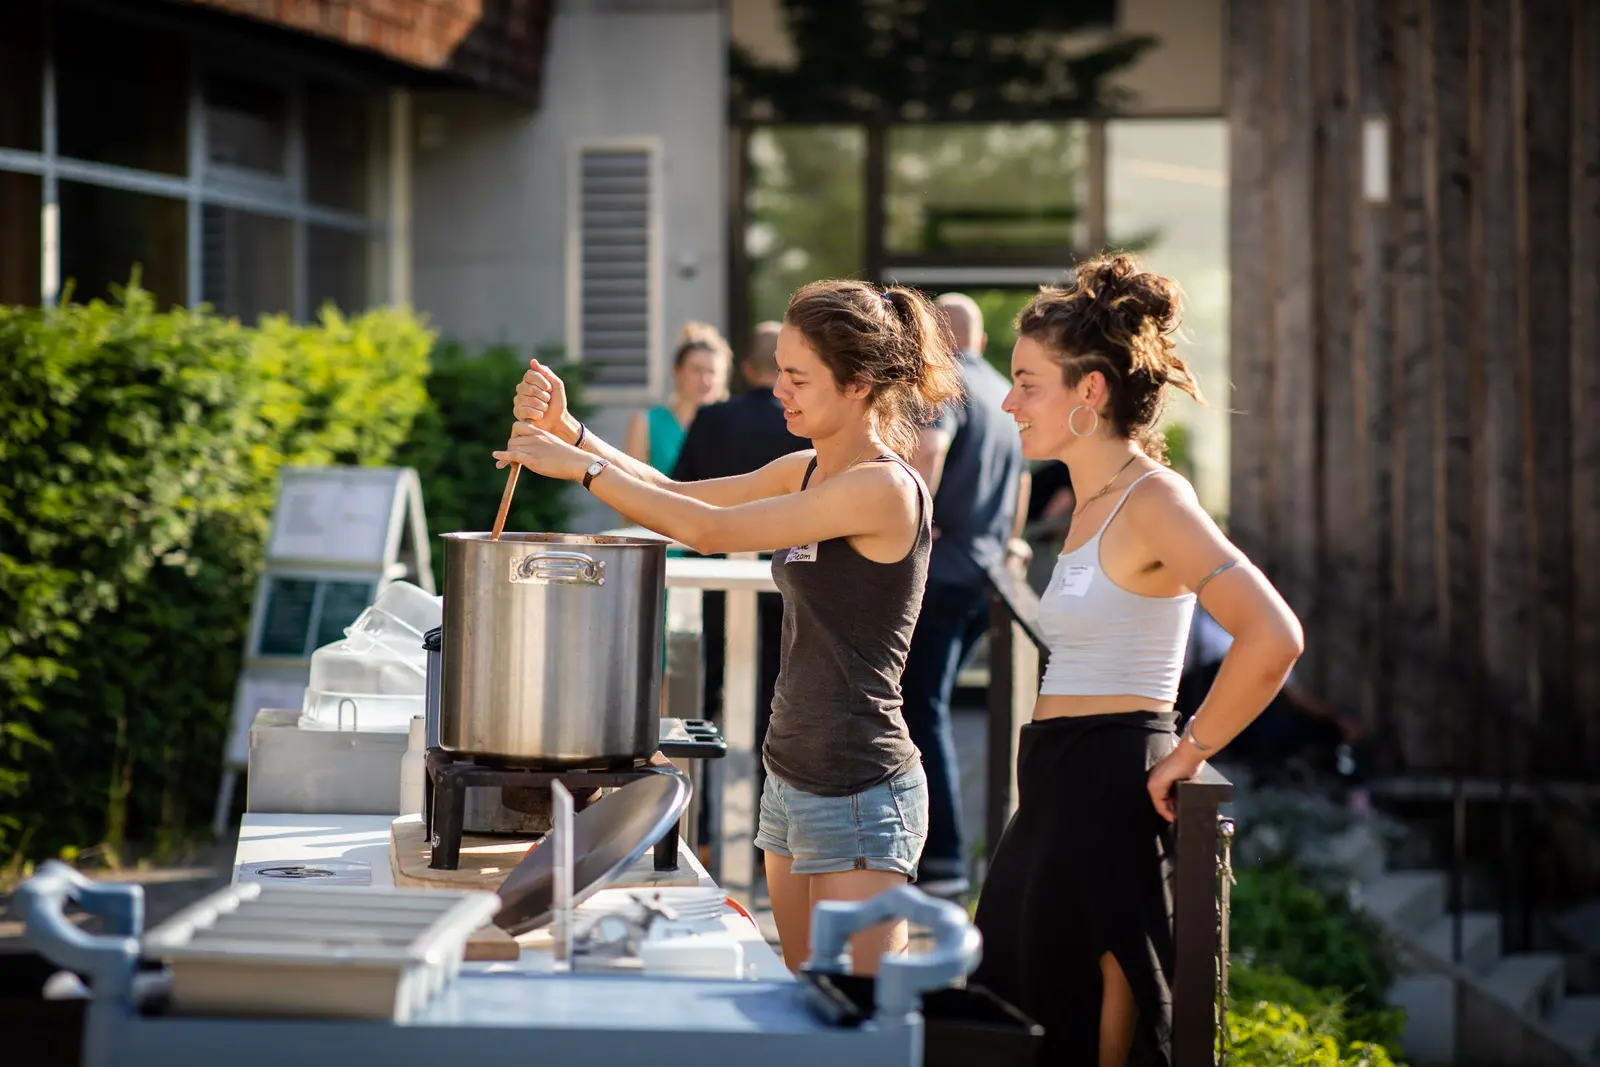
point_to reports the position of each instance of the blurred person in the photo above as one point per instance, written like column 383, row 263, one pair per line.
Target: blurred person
column 1051, row 501
column 1050, row 504
column 849, row 521
column 1075, row 912
column 699, row 377
column 740, row 434
column 972, row 462
column 1298, row 729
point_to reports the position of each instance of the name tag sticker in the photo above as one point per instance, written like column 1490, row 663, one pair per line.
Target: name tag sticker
column 803, row 553
column 1075, row 580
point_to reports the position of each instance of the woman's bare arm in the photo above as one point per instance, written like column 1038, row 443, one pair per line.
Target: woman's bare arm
column 870, row 500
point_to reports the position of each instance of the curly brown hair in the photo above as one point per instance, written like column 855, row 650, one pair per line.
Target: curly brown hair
column 887, row 339
column 1118, row 319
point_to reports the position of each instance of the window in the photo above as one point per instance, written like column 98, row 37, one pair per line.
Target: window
column 195, row 167
column 805, row 211
column 249, row 263
column 247, row 123
column 337, row 268
column 19, row 238
column 613, row 248
column 341, row 146
column 21, row 88
column 108, row 234
column 121, row 95
column 960, row 191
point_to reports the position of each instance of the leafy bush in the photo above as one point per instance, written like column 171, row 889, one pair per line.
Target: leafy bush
column 1279, row 920
column 468, row 416
column 1269, row 1011
column 1274, row 1020
column 141, row 452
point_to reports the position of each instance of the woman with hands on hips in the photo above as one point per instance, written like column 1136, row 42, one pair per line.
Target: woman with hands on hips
column 1076, row 910
column 845, row 807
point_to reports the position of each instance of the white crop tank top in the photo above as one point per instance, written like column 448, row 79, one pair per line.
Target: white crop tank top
column 1104, row 640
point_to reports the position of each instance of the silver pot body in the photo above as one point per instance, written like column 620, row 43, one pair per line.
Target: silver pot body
column 552, row 648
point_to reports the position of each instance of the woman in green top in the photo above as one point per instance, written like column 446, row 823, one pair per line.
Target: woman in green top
column 699, row 377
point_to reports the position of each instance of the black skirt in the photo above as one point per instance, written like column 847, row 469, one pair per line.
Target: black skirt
column 1084, row 868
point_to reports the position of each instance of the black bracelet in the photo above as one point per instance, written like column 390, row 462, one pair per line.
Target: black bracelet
column 582, row 432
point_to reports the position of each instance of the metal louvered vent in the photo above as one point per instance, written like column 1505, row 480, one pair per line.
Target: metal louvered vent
column 615, row 265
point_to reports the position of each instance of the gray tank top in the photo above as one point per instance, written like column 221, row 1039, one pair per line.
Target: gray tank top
column 836, row 724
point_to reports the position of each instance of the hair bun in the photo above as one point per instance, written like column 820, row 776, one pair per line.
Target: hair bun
column 1123, row 297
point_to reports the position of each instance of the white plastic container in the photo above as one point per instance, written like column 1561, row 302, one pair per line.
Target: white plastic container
column 305, row 952
column 396, row 620
column 389, row 713
column 363, row 683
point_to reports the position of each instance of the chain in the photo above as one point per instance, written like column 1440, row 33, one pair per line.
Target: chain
column 1104, row 489
column 1225, row 882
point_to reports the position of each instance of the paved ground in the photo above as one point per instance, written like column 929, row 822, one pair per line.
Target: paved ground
column 167, row 888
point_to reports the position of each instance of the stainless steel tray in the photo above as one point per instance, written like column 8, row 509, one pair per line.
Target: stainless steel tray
column 348, row 953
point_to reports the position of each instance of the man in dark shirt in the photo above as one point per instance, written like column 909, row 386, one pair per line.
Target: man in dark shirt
column 736, row 436
column 972, row 462
column 746, row 432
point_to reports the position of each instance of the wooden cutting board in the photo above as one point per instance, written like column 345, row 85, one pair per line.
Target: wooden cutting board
column 486, row 861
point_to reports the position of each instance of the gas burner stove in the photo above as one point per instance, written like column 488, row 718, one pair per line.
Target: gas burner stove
column 449, row 776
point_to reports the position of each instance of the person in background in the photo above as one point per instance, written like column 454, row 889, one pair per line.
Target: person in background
column 1076, row 909
column 973, row 463
column 737, row 436
column 845, row 807
column 1050, row 504
column 748, row 431
column 1299, row 732
column 699, row 377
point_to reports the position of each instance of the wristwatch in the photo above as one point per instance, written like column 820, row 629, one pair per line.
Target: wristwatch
column 594, row 469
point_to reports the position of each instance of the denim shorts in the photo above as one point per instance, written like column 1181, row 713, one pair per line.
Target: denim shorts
column 879, row 829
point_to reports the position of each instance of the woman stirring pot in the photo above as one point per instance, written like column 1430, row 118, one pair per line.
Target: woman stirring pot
column 845, row 807
column 1076, row 910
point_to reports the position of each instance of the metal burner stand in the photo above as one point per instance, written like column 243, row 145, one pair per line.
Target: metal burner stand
column 449, row 776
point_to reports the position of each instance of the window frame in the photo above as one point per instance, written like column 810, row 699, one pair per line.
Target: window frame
column 211, row 185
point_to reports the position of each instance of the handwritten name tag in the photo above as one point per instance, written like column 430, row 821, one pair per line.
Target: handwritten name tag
column 803, row 553
column 1076, row 579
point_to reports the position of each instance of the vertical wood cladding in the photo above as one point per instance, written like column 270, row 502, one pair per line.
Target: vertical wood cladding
column 1416, row 454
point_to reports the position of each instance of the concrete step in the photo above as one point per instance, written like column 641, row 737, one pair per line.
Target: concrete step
column 1480, row 940
column 1531, row 982
column 1429, row 1001
column 1408, row 901
column 1358, row 853
column 1575, row 1022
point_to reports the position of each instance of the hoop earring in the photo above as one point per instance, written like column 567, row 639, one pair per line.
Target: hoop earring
column 1074, row 414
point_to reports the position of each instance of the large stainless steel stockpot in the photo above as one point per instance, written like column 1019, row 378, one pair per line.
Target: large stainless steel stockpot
column 552, row 647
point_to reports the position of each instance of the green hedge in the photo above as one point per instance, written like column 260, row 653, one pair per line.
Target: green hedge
column 140, row 451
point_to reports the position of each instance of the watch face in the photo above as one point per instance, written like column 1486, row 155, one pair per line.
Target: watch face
column 596, row 467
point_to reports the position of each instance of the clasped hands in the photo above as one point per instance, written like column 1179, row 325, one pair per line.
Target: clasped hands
column 541, row 436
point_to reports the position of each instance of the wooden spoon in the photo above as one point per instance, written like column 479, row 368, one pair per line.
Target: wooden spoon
column 505, row 502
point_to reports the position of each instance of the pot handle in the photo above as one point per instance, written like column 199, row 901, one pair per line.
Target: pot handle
column 558, row 568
